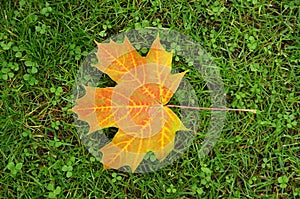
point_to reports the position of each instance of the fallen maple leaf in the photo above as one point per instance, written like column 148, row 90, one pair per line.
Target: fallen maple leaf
column 137, row 105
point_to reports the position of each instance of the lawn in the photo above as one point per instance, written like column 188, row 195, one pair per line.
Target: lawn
column 255, row 45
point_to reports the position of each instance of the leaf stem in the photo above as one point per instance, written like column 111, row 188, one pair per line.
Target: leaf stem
column 212, row 109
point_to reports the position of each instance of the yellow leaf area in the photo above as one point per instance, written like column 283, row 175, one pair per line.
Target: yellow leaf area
column 136, row 105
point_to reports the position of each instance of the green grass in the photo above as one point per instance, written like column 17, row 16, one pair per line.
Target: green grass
column 254, row 43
